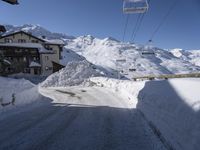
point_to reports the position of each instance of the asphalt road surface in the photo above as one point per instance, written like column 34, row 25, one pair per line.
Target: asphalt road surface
column 77, row 119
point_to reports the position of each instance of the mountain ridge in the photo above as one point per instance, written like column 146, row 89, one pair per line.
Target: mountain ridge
column 139, row 59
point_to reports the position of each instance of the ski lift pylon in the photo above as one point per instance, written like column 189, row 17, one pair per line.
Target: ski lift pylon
column 135, row 6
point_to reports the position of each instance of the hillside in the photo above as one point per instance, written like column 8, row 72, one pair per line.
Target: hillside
column 192, row 56
column 38, row 31
column 130, row 59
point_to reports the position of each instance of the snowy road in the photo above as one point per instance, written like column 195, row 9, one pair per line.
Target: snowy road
column 77, row 118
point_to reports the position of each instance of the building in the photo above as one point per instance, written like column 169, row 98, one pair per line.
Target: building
column 30, row 54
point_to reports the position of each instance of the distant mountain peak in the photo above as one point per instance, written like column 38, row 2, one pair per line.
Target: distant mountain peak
column 111, row 39
column 38, row 31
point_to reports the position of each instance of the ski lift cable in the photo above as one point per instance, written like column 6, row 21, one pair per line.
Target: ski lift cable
column 125, row 27
column 138, row 27
column 135, row 27
column 163, row 20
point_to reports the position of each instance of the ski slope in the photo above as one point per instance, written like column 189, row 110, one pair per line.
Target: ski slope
column 192, row 56
column 106, row 53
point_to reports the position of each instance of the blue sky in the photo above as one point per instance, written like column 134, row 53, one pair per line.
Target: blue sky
column 103, row 18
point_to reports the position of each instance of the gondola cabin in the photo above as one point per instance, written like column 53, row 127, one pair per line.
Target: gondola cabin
column 135, row 6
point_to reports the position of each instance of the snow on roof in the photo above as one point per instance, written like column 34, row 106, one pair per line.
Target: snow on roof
column 28, row 45
column 34, row 64
column 54, row 41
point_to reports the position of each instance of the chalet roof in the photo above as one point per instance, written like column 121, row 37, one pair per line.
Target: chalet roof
column 7, row 35
column 34, row 64
column 46, row 41
column 38, row 46
column 54, row 41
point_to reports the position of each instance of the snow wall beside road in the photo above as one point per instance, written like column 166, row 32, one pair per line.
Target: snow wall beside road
column 172, row 106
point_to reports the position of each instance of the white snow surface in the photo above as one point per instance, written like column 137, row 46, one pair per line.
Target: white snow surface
column 69, row 56
column 173, row 106
column 25, row 92
column 127, row 89
column 37, row 30
column 75, row 73
column 34, row 64
column 192, row 56
column 105, row 52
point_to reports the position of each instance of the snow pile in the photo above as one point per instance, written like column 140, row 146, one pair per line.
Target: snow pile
column 69, row 56
column 127, row 89
column 173, row 106
column 25, row 92
column 74, row 73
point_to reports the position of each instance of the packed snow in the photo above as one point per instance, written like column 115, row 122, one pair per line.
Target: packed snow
column 192, row 56
column 24, row 92
column 126, row 89
column 172, row 106
column 75, row 73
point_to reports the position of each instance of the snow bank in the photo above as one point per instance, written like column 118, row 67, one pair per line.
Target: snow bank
column 25, row 92
column 174, row 108
column 74, row 73
column 9, row 86
column 127, row 89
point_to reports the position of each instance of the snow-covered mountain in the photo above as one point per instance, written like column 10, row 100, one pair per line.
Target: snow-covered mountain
column 111, row 54
column 38, row 31
column 131, row 59
column 192, row 56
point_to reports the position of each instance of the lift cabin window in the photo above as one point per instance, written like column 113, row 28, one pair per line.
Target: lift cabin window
column 135, row 6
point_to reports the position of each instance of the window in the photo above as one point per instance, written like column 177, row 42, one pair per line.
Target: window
column 22, row 41
column 8, row 40
column 46, row 68
column 48, row 47
column 18, row 51
column 34, row 41
column 46, row 58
